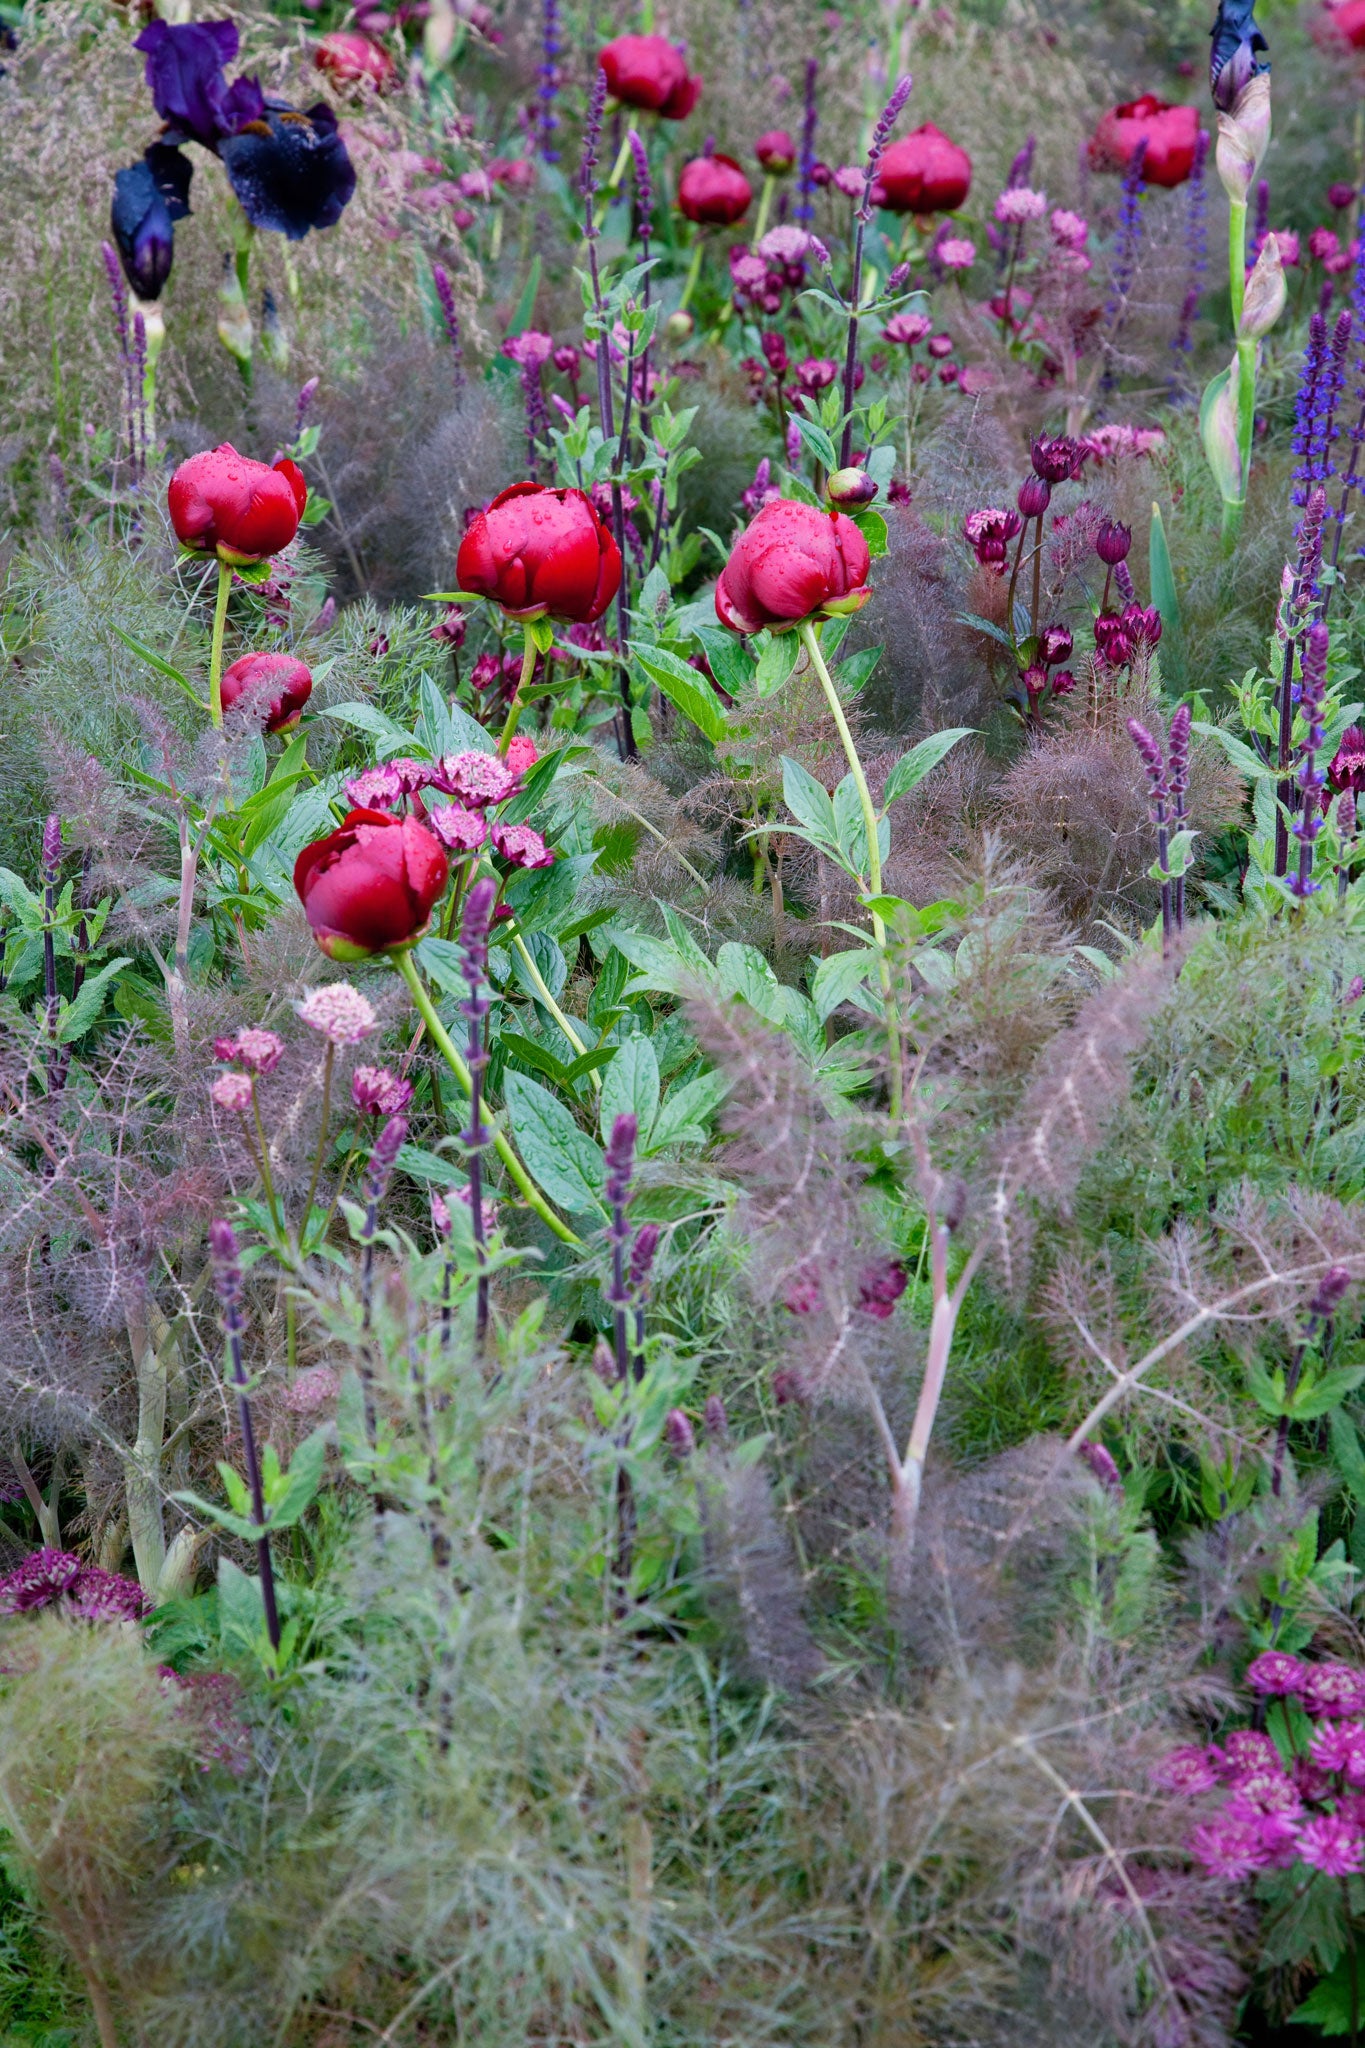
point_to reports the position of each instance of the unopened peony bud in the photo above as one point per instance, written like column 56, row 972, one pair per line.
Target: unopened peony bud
column 850, row 489
column 1243, row 137
column 680, row 327
column 1265, row 293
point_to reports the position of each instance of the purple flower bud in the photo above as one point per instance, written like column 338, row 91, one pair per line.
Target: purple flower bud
column 642, row 1256
column 52, row 843
column 678, row 1434
column 1330, row 1289
column 1035, row 495
column 1054, row 645
column 1112, row 542
column 716, row 1419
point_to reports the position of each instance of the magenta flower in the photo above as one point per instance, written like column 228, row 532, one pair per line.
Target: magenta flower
column 523, row 846
column 988, row 533
column 1331, row 1844
column 1229, row 1849
column 231, row 1092
column 260, row 1052
column 460, row 830
column 1020, row 204
column 955, row 252
column 1332, row 1689
column 1264, row 1792
column 906, row 330
column 377, row 1091
column 1187, row 1771
column 379, row 787
column 477, row 779
column 880, row 1286
column 1245, row 1753
column 1277, row 1673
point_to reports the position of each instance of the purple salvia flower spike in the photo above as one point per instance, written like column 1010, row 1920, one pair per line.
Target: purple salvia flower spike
column 805, row 182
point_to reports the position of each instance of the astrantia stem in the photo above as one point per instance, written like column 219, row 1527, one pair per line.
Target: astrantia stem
column 441, row 1039
column 528, row 669
column 694, row 271
column 543, row 994
column 216, row 650
column 874, row 854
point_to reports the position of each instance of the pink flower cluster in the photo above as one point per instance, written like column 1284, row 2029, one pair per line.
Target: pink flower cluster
column 476, row 782
column 1311, row 1811
column 50, row 1578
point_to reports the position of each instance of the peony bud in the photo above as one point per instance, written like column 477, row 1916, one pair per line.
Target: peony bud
column 850, row 489
column 1243, row 137
column 680, row 327
column 1265, row 293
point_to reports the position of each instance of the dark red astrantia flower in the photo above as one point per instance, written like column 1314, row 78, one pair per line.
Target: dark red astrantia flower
column 648, row 72
column 924, row 173
column 535, row 550
column 1170, row 133
column 1348, row 763
column 224, row 502
column 794, row 562
column 273, row 687
column 370, row 886
column 714, row 190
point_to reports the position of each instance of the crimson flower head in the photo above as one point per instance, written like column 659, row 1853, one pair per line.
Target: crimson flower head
column 776, row 152
column 1112, row 542
column 1054, row 645
column 988, row 533
column 1142, row 623
column 648, row 72
column 1347, row 24
column 351, row 59
column 907, row 330
column 370, row 886
column 924, row 172
column 1113, row 640
column 1348, row 763
column 275, row 687
column 714, row 191
column 1170, row 133
column 792, row 563
column 1057, row 458
column 223, row 503
column 536, row 550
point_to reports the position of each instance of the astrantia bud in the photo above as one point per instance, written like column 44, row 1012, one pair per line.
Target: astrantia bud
column 1112, row 542
column 1035, row 495
column 850, row 488
column 1054, row 645
column 1265, row 293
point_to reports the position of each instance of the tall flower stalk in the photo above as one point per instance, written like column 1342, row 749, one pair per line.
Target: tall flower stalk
column 475, row 1138
column 445, row 294
column 805, row 176
column 1302, row 596
column 227, row 1279
column 880, row 136
column 1311, row 778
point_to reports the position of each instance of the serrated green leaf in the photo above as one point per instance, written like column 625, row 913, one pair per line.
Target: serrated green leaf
column 1313, row 1398
column 630, row 1086
column 294, row 1494
column 808, row 801
column 76, row 1017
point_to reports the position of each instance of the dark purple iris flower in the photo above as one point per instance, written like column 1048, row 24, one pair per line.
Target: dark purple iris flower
column 1236, row 54
column 141, row 226
column 290, row 170
column 185, row 77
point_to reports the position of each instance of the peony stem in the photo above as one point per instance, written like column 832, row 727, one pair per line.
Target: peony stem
column 694, row 271
column 565, row 1024
column 441, row 1039
column 765, row 201
column 528, row 669
column 216, row 650
column 874, row 852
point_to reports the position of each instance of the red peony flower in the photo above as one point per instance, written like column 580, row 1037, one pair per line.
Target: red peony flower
column 224, row 503
column 776, row 152
column 924, row 173
column 275, row 688
column 648, row 72
column 350, row 59
column 370, row 886
column 535, row 550
column 792, row 563
column 1170, row 133
column 1346, row 24
column 713, row 189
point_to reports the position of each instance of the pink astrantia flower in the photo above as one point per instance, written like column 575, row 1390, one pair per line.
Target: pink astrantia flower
column 1265, row 1792
column 1229, row 1849
column 523, row 846
column 1106, row 444
column 529, row 349
column 477, row 779
column 1275, row 1672
column 1331, row 1844
column 312, row 1389
column 1020, row 204
column 906, row 330
column 1287, row 242
column 955, row 252
column 785, row 244
column 461, row 830
column 1072, row 230
column 339, row 1012
column 379, row 787
column 1334, row 1743
column 1333, row 1689
column 231, row 1092
column 1245, row 1753
column 377, row 1091
column 849, row 179
column 1186, row 1770
column 260, row 1052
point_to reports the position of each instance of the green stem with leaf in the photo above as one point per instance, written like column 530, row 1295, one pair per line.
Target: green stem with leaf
column 874, row 853
column 441, row 1039
column 529, row 650
column 1246, row 365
